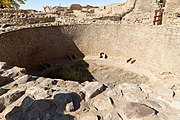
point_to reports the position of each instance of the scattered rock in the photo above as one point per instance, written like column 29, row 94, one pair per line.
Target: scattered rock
column 103, row 103
column 37, row 92
column 164, row 91
column 92, row 89
column 137, row 110
column 56, row 99
column 23, row 79
column 112, row 116
column 14, row 72
column 129, row 86
column 114, row 92
column 12, row 96
column 69, row 107
column 2, row 65
column 64, row 102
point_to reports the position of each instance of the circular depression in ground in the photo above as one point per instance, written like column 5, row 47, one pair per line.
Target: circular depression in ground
column 60, row 51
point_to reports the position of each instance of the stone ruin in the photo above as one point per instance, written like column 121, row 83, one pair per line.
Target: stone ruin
column 113, row 62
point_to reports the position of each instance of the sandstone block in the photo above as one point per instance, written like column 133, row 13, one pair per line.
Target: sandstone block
column 104, row 103
column 92, row 89
column 112, row 116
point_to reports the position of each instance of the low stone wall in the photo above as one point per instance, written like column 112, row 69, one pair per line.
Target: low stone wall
column 152, row 46
column 24, row 17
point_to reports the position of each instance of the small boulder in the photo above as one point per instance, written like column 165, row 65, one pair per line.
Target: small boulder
column 112, row 116
column 92, row 89
column 2, row 65
column 12, row 96
column 64, row 102
column 37, row 92
column 23, row 79
column 137, row 110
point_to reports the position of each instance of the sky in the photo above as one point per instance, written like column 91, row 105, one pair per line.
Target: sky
column 38, row 4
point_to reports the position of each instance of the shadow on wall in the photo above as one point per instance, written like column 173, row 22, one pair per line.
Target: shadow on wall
column 45, row 51
column 54, row 109
column 33, row 46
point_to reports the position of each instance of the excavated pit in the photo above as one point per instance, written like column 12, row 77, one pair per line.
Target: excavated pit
column 73, row 52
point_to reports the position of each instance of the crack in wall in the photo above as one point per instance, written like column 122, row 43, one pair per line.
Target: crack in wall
column 130, row 10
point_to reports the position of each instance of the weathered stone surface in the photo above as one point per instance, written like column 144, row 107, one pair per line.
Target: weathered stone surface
column 27, row 102
column 64, row 102
column 170, row 102
column 129, row 86
column 112, row 116
column 133, row 96
column 23, row 79
column 13, row 72
column 103, row 103
column 2, row 65
column 164, row 91
column 37, row 92
column 120, row 30
column 69, row 107
column 114, row 92
column 152, row 104
column 12, row 96
column 92, row 89
column 145, row 88
column 137, row 110
column 89, row 117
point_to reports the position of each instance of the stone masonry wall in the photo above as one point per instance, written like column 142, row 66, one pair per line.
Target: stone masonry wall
column 156, row 47
column 172, row 12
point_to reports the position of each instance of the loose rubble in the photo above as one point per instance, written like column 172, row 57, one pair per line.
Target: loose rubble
column 43, row 98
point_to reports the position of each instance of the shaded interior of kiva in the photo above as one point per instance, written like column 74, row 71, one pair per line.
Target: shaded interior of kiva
column 44, row 50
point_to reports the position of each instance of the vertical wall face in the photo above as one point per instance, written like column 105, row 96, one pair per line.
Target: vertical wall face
column 172, row 12
column 30, row 47
column 143, row 12
column 153, row 46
